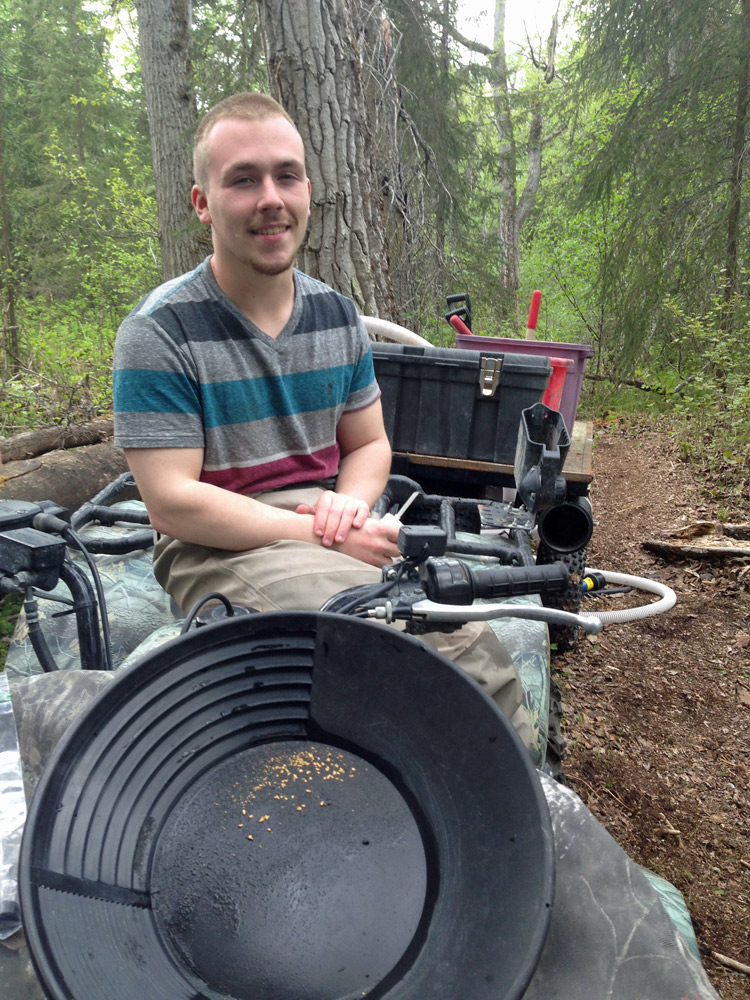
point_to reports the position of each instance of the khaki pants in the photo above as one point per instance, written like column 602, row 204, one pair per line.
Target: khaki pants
column 301, row 576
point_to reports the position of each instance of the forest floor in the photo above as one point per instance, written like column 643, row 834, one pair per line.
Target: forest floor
column 657, row 712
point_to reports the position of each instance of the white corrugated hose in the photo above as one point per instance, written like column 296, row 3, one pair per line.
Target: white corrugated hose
column 667, row 598
column 392, row 331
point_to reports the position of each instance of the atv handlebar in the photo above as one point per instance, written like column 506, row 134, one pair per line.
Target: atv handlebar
column 451, row 581
column 447, row 588
column 451, row 585
column 433, row 593
column 427, row 589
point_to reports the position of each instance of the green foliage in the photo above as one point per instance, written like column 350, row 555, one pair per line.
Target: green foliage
column 67, row 371
column 566, row 256
column 452, row 150
column 58, row 93
column 705, row 371
column 80, row 225
column 658, row 118
column 699, row 378
column 111, row 239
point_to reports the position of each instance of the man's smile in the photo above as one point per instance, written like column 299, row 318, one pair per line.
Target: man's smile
column 270, row 230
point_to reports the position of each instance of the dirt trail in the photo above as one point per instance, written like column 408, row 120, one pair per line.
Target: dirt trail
column 657, row 713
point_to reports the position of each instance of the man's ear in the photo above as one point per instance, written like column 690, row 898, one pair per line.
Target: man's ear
column 200, row 204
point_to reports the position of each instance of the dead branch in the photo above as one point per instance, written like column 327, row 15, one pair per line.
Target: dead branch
column 730, row 963
column 635, row 383
column 668, row 830
column 736, row 530
column 694, row 530
column 437, row 15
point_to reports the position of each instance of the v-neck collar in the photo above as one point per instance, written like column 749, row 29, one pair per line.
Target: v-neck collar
column 252, row 328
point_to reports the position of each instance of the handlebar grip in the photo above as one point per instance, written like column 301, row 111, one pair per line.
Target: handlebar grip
column 449, row 581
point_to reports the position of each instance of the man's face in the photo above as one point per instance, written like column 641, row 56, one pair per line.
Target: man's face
column 256, row 197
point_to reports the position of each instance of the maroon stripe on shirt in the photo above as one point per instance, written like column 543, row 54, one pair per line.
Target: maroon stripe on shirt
column 273, row 475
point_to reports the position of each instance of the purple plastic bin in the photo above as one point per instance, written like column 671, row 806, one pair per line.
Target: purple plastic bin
column 579, row 353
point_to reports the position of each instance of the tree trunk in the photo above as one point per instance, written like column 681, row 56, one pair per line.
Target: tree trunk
column 315, row 70
column 442, row 204
column 508, row 231
column 384, row 110
column 514, row 211
column 163, row 38
column 70, row 478
column 734, row 207
column 7, row 279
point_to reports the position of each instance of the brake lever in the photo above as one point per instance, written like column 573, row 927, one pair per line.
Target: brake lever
column 460, row 613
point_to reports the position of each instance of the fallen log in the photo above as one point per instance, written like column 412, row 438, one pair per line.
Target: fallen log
column 29, row 444
column 699, row 529
column 70, row 477
column 682, row 551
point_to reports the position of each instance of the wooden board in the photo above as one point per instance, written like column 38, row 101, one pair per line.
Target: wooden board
column 578, row 463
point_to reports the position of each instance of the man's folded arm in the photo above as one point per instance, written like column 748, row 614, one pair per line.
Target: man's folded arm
column 181, row 506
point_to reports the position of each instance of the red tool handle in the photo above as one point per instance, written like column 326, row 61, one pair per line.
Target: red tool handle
column 459, row 326
column 536, row 299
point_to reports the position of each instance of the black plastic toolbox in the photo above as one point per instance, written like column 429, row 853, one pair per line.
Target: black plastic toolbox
column 457, row 403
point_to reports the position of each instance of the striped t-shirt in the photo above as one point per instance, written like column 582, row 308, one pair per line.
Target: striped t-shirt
column 192, row 371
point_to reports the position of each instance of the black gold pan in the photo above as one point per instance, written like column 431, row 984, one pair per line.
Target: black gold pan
column 288, row 806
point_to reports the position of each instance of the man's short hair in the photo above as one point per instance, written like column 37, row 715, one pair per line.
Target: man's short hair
column 252, row 106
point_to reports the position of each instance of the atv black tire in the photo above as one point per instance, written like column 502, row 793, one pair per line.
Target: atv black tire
column 564, row 637
column 556, row 749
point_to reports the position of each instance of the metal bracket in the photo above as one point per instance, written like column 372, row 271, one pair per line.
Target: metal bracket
column 489, row 374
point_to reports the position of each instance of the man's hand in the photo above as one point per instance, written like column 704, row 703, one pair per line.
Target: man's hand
column 335, row 514
column 345, row 522
column 376, row 542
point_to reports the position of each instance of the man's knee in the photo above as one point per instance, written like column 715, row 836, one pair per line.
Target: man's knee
column 477, row 650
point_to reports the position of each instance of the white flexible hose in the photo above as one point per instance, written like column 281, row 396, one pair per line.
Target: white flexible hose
column 667, row 597
column 383, row 328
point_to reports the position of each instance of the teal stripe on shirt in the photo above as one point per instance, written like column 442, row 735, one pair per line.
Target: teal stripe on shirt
column 246, row 400
column 240, row 400
column 142, row 390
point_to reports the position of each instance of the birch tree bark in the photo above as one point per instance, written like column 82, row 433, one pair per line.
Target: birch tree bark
column 515, row 210
column 508, row 229
column 163, row 40
column 315, row 70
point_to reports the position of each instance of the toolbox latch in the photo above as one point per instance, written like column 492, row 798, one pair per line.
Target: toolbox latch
column 489, row 374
